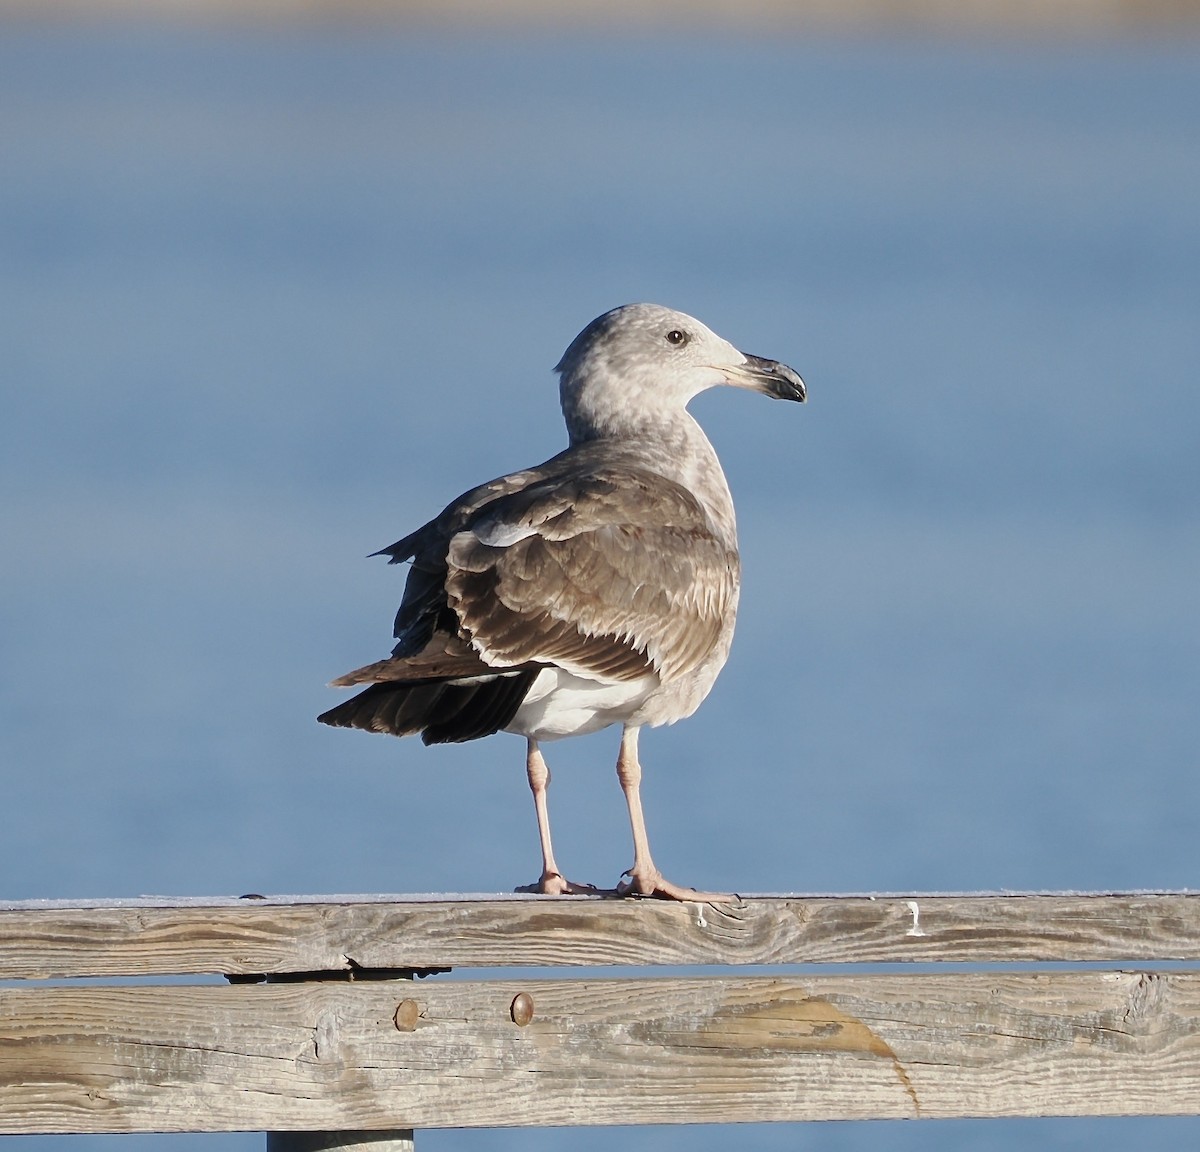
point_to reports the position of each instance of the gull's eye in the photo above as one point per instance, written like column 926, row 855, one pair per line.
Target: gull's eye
column 677, row 337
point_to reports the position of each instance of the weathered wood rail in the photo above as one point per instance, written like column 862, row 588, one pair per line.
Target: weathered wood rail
column 284, row 1048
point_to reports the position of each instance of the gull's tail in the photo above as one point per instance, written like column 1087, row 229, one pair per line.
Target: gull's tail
column 442, row 711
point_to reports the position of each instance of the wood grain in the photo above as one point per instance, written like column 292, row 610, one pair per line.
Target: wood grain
column 282, row 934
column 329, row 1057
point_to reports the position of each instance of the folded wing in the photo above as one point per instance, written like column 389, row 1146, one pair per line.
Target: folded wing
column 607, row 570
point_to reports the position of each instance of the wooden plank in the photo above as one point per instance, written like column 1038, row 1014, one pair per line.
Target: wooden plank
column 369, row 1055
column 147, row 937
column 384, row 1140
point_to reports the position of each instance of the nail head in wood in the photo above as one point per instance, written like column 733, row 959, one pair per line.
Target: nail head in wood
column 521, row 1009
column 406, row 1016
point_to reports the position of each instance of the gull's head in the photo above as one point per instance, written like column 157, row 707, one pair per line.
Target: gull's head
column 638, row 366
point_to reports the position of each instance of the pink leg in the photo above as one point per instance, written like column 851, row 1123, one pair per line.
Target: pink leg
column 551, row 882
column 644, row 879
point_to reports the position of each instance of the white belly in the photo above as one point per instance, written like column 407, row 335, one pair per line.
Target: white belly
column 561, row 704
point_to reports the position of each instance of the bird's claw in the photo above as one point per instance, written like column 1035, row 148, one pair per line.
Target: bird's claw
column 555, row 884
column 651, row 883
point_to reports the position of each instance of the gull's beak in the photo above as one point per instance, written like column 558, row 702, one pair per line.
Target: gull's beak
column 768, row 377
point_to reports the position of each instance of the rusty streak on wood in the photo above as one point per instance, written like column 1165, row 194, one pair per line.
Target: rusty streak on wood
column 329, row 1057
column 149, row 937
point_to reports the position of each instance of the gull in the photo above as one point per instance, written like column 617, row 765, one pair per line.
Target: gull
column 598, row 588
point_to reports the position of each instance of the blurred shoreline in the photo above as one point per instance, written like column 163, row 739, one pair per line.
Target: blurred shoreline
column 1011, row 17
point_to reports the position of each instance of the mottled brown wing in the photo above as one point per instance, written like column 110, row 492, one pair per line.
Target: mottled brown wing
column 423, row 618
column 444, row 655
column 613, row 573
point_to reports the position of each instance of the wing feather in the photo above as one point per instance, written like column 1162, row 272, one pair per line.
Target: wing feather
column 591, row 563
column 614, row 571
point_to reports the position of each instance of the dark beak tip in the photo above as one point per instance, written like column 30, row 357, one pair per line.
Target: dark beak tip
column 793, row 388
column 777, row 379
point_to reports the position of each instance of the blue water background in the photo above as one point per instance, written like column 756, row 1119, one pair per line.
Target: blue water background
column 268, row 300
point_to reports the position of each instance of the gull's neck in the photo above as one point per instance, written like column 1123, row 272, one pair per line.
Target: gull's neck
column 672, row 444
